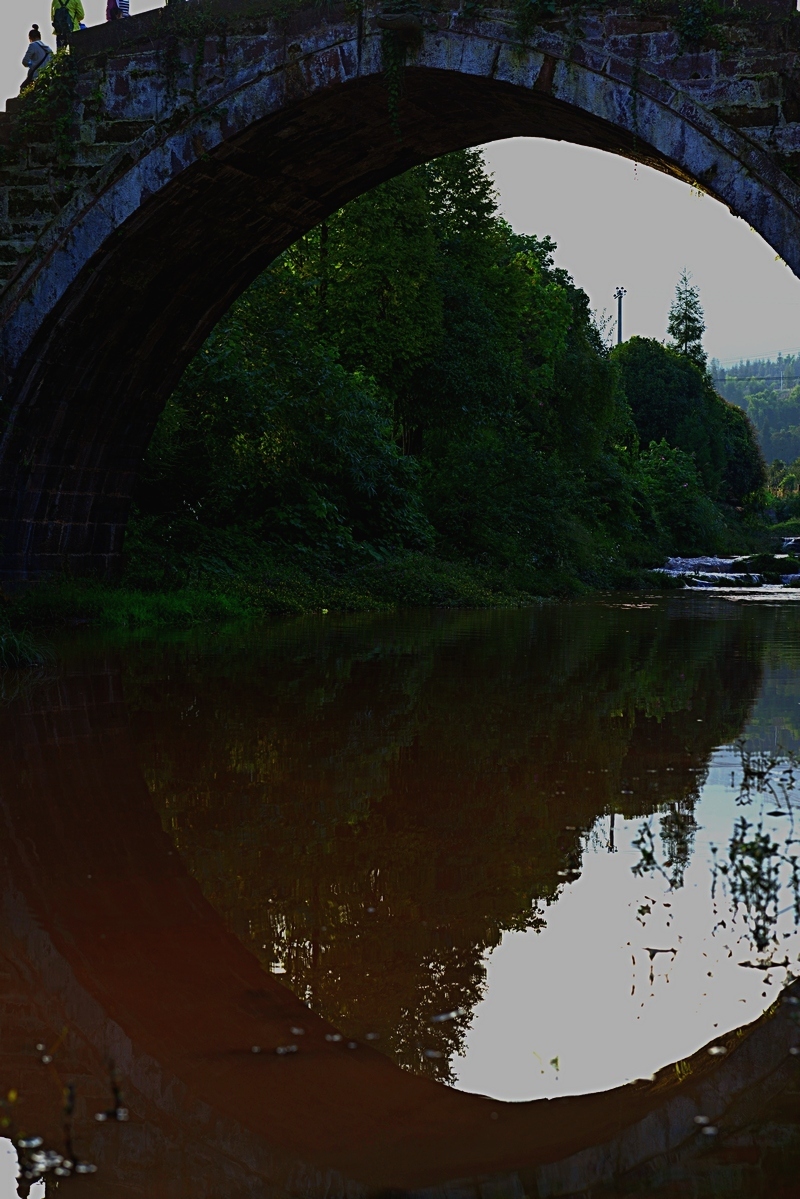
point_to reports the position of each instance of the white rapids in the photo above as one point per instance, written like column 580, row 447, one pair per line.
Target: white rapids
column 709, row 571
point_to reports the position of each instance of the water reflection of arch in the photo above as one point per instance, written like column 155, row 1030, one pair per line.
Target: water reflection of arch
column 460, row 761
column 106, row 933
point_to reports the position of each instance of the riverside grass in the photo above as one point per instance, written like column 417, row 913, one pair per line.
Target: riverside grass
column 19, row 650
column 411, row 580
column 282, row 589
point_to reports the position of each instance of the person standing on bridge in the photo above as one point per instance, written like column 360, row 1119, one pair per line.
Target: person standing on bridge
column 117, row 8
column 67, row 16
column 36, row 55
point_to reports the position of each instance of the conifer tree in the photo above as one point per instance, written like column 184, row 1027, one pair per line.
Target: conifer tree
column 687, row 321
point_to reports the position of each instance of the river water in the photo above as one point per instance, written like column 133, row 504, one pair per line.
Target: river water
column 474, row 903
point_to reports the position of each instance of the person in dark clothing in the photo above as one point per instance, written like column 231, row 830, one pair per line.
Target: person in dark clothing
column 37, row 54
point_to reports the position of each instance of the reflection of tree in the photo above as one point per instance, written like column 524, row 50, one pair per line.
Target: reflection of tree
column 678, row 827
column 373, row 802
column 758, row 871
column 753, row 873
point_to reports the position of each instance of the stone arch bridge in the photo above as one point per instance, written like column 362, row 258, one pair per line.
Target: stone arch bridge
column 195, row 143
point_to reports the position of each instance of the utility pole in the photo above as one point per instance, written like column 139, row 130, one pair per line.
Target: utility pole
column 618, row 294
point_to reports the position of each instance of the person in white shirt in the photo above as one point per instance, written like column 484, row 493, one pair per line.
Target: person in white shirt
column 36, row 55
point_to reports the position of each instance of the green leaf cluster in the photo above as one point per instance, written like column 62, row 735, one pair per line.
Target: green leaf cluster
column 672, row 399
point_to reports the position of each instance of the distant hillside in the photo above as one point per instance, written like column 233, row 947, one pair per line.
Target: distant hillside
column 769, row 392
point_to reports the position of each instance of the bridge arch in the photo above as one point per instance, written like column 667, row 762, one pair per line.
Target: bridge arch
column 201, row 151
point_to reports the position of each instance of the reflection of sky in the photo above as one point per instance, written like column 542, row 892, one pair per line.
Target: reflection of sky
column 571, row 1009
column 8, row 1173
column 775, row 721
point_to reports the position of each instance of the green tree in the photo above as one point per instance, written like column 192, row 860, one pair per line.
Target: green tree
column 687, row 521
column 413, row 375
column 268, row 434
column 377, row 273
column 686, row 324
column 745, row 474
column 671, row 399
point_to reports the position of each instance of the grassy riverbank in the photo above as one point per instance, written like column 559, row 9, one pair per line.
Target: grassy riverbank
column 410, row 580
column 219, row 594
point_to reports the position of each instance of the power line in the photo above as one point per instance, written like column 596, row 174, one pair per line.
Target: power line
column 766, row 357
column 747, row 378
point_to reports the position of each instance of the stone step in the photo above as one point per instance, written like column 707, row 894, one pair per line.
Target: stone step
column 6, row 125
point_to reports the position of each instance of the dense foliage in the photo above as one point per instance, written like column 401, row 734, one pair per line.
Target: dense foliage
column 671, row 398
column 769, row 392
column 414, row 378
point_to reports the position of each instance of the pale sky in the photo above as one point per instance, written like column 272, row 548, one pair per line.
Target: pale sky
column 620, row 225
column 615, row 225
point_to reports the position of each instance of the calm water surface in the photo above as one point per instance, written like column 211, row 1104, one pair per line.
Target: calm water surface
column 358, row 905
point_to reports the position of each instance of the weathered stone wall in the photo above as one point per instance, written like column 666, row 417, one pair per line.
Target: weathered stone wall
column 205, row 141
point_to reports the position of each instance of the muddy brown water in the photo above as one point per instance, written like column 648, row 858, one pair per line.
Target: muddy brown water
column 445, row 904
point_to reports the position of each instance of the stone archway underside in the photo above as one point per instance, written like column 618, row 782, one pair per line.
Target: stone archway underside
column 196, row 160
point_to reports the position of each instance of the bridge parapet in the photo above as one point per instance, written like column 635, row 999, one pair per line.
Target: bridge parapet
column 146, row 75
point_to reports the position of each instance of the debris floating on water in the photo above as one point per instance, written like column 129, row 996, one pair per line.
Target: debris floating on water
column 282, row 1050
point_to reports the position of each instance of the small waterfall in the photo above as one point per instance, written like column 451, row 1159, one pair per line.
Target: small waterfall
column 751, row 570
